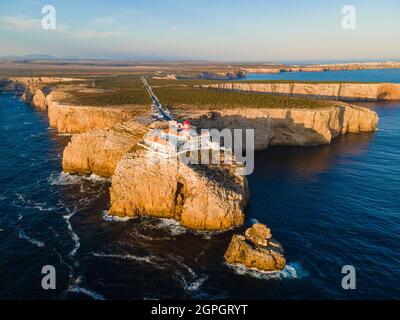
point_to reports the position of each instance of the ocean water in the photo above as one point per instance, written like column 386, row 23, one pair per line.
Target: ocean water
column 329, row 206
column 387, row 75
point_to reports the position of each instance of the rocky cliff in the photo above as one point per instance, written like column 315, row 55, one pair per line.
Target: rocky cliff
column 34, row 90
column 337, row 91
column 77, row 119
column 98, row 151
column 40, row 93
column 300, row 127
column 201, row 197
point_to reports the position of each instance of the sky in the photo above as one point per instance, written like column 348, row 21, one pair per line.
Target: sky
column 225, row 30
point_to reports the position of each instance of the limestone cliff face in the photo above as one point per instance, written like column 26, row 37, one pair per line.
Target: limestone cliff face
column 323, row 67
column 77, row 119
column 202, row 197
column 98, row 151
column 33, row 89
column 39, row 82
column 70, row 118
column 300, row 127
column 338, row 91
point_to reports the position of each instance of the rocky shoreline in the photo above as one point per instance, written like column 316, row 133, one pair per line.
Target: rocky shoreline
column 200, row 197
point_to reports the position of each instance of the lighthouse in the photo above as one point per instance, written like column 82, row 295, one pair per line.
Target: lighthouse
column 186, row 125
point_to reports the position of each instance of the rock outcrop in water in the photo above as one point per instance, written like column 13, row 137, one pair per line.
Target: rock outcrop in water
column 201, row 197
column 298, row 127
column 337, row 91
column 256, row 250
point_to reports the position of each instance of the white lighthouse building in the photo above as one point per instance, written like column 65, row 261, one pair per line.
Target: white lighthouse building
column 178, row 138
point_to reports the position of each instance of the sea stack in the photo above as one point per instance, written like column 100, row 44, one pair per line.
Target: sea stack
column 256, row 250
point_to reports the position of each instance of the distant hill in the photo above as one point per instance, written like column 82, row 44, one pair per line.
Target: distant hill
column 38, row 57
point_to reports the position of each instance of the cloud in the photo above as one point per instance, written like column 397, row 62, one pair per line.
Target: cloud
column 23, row 23
column 19, row 23
column 92, row 34
column 104, row 20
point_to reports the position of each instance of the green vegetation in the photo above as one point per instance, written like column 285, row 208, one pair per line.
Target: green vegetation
column 110, row 91
column 176, row 83
column 109, row 98
column 178, row 97
column 119, row 83
column 125, row 90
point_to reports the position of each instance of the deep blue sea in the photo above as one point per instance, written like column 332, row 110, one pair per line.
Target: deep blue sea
column 329, row 206
column 388, row 75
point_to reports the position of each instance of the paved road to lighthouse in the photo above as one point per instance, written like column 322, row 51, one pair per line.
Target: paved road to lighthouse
column 158, row 109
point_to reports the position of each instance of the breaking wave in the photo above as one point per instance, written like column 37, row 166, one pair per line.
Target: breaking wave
column 291, row 271
column 64, row 179
column 110, row 218
column 173, row 226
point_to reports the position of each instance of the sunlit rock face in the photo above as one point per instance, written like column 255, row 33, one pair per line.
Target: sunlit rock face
column 201, row 197
column 256, row 250
column 298, row 127
column 338, row 91
column 99, row 151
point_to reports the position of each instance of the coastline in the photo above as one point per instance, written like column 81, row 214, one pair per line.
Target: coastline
column 104, row 143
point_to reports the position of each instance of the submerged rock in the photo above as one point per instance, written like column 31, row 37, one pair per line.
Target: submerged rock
column 256, row 250
column 201, row 197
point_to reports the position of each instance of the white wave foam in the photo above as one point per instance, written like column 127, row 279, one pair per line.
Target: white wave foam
column 291, row 271
column 146, row 259
column 24, row 236
column 75, row 238
column 64, row 179
column 109, row 218
column 254, row 221
column 173, row 226
column 189, row 279
column 194, row 285
column 77, row 288
column 22, row 201
column 95, row 178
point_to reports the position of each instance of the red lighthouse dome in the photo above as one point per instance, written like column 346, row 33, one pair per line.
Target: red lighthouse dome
column 186, row 125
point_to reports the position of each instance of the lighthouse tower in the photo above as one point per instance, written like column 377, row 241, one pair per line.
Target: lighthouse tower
column 186, row 125
column 186, row 128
